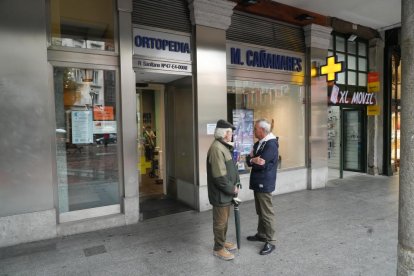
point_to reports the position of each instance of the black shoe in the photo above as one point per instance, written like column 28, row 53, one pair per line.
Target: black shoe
column 256, row 238
column 267, row 248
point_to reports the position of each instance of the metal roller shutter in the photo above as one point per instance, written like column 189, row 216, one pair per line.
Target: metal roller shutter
column 265, row 32
column 164, row 14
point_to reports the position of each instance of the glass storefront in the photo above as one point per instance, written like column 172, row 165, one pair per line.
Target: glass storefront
column 395, row 113
column 83, row 24
column 347, row 122
column 282, row 104
column 353, row 143
column 86, row 138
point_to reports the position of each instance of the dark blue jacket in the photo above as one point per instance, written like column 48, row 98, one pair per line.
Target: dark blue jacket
column 263, row 177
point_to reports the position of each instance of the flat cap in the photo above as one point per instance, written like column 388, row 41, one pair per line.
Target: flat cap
column 224, row 124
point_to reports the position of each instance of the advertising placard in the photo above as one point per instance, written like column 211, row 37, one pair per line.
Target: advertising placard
column 102, row 127
column 373, row 82
column 103, row 113
column 243, row 136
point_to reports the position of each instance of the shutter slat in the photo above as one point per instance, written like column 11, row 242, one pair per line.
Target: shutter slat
column 264, row 32
column 164, row 14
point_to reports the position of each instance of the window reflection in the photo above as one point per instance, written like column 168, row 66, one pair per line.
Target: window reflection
column 282, row 104
column 86, row 138
column 83, row 24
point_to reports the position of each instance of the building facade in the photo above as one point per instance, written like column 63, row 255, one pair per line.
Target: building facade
column 108, row 103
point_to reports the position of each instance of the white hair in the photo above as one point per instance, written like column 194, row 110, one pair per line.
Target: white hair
column 220, row 133
column 264, row 124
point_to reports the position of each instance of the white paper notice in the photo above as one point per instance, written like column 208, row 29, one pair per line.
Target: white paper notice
column 82, row 127
column 210, row 129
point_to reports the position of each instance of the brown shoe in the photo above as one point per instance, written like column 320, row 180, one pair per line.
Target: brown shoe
column 224, row 254
column 230, row 246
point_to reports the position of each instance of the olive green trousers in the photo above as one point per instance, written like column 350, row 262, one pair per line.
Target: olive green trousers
column 266, row 213
column 220, row 222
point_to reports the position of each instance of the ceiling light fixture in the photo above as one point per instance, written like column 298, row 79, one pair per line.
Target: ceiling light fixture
column 304, row 16
column 248, row 2
column 352, row 37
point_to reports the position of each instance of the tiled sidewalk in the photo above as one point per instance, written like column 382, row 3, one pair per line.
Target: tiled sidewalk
column 348, row 228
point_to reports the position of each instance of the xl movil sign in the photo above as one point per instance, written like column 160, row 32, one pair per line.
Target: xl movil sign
column 338, row 97
column 162, row 51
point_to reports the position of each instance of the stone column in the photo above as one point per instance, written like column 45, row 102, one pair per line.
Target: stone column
column 375, row 123
column 128, row 103
column 211, row 19
column 317, row 43
column 405, row 264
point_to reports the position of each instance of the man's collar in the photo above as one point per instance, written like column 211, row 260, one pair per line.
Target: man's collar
column 267, row 137
column 227, row 144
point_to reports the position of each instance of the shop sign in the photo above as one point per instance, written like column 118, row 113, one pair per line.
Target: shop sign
column 373, row 110
column 161, row 45
column 271, row 59
column 338, row 97
column 332, row 68
column 373, row 82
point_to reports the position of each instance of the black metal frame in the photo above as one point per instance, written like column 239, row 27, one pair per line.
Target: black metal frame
column 363, row 153
column 392, row 47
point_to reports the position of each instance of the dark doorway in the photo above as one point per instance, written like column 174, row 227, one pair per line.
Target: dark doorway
column 153, row 159
column 353, row 139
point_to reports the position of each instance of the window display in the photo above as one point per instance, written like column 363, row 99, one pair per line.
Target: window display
column 282, row 104
column 86, row 138
column 243, row 136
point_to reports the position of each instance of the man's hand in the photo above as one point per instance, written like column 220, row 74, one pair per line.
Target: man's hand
column 258, row 160
column 236, row 190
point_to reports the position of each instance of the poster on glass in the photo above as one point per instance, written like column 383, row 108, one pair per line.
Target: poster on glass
column 243, row 120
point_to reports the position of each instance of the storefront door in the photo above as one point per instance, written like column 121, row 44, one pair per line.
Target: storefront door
column 158, row 194
column 87, row 149
column 151, row 146
column 353, row 142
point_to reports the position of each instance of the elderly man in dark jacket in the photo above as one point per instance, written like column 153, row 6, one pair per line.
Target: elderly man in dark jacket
column 222, row 181
column 263, row 160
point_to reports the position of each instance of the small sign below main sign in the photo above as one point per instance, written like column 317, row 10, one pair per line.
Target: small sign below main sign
column 373, row 110
column 373, row 82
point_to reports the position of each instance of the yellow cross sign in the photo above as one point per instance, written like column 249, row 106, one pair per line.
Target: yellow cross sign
column 332, row 68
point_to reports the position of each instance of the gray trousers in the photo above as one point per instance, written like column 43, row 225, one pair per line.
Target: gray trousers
column 264, row 209
column 220, row 222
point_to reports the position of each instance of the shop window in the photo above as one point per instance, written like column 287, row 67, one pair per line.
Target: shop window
column 83, row 24
column 86, row 138
column 282, row 104
column 351, row 62
column 354, row 55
